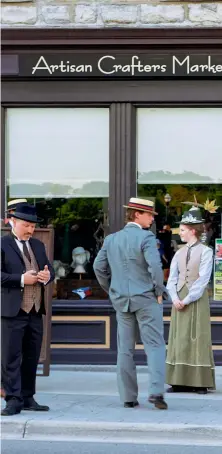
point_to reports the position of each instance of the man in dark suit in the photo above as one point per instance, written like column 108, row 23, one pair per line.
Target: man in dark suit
column 24, row 273
column 8, row 222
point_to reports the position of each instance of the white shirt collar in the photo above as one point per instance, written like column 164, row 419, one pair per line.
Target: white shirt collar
column 192, row 244
column 16, row 238
column 134, row 223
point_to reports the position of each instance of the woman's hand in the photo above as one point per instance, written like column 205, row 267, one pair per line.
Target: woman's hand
column 179, row 305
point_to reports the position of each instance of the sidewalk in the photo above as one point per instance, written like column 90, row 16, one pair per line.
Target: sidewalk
column 86, row 404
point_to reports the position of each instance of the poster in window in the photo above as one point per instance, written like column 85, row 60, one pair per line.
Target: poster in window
column 218, row 270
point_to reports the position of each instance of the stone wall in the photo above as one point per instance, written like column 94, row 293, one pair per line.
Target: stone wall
column 110, row 13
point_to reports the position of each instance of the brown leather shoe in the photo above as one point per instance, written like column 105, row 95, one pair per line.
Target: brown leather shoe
column 158, row 401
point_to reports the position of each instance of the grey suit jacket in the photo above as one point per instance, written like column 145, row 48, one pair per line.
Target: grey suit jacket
column 129, row 269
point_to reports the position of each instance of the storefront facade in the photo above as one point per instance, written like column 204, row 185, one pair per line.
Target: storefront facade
column 91, row 118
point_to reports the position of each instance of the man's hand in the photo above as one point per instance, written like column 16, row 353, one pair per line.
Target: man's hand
column 30, row 277
column 160, row 299
column 43, row 276
column 179, row 305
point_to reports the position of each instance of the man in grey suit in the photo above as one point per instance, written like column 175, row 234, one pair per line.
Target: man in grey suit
column 128, row 268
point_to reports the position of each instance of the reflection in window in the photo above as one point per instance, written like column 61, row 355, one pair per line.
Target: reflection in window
column 179, row 145
column 58, row 158
column 166, row 224
column 179, row 154
column 80, row 226
column 57, row 152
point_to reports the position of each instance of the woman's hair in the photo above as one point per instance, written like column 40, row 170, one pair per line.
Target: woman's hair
column 130, row 214
column 199, row 229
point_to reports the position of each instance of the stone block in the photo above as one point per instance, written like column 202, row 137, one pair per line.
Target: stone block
column 205, row 13
column 119, row 14
column 85, row 14
column 16, row 15
column 161, row 14
column 56, row 14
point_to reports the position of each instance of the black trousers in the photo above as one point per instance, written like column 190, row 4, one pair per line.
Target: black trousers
column 21, row 347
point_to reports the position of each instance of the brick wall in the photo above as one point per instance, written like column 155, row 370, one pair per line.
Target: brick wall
column 110, row 13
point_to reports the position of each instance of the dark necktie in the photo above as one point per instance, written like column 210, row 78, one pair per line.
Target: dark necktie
column 25, row 250
column 189, row 251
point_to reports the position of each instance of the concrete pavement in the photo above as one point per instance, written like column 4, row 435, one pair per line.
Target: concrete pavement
column 56, row 447
column 84, row 404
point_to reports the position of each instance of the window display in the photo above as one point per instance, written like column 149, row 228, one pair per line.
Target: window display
column 58, row 158
column 180, row 168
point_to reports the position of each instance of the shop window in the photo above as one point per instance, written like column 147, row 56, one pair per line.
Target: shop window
column 179, row 159
column 59, row 160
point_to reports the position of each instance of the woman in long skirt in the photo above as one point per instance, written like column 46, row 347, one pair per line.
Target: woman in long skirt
column 190, row 363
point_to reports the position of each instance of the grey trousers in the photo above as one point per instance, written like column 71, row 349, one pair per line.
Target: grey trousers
column 150, row 322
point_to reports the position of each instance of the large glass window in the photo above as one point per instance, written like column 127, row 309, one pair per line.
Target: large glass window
column 59, row 160
column 179, row 158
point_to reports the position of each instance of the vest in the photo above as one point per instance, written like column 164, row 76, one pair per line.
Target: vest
column 32, row 293
column 189, row 273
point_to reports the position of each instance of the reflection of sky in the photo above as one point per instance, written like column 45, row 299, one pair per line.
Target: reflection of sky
column 178, row 139
column 68, row 146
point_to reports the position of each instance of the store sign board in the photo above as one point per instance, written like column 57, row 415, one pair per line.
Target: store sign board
column 112, row 66
column 218, row 270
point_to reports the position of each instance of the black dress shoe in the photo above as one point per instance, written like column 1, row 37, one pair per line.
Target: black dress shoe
column 131, row 404
column 158, row 401
column 13, row 407
column 31, row 405
column 179, row 389
column 200, row 390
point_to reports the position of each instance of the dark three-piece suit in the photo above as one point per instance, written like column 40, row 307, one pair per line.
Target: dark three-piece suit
column 22, row 308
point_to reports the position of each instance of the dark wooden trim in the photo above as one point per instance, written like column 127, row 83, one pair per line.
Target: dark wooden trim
column 103, row 93
column 3, row 163
column 122, row 160
column 104, row 357
column 104, row 307
column 125, row 37
column 64, row 355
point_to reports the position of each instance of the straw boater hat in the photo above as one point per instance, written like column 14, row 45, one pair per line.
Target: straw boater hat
column 141, row 205
column 14, row 203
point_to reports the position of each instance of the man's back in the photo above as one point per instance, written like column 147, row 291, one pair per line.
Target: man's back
column 128, row 266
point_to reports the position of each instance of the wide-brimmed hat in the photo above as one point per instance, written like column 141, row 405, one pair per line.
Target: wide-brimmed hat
column 191, row 217
column 141, row 205
column 25, row 212
column 12, row 204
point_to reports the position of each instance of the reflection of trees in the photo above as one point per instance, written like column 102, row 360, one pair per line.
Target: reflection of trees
column 60, row 211
column 76, row 209
column 89, row 189
column 94, row 188
column 161, row 176
column 179, row 193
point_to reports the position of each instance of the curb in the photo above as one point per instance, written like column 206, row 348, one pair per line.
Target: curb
column 136, row 432
column 102, row 368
